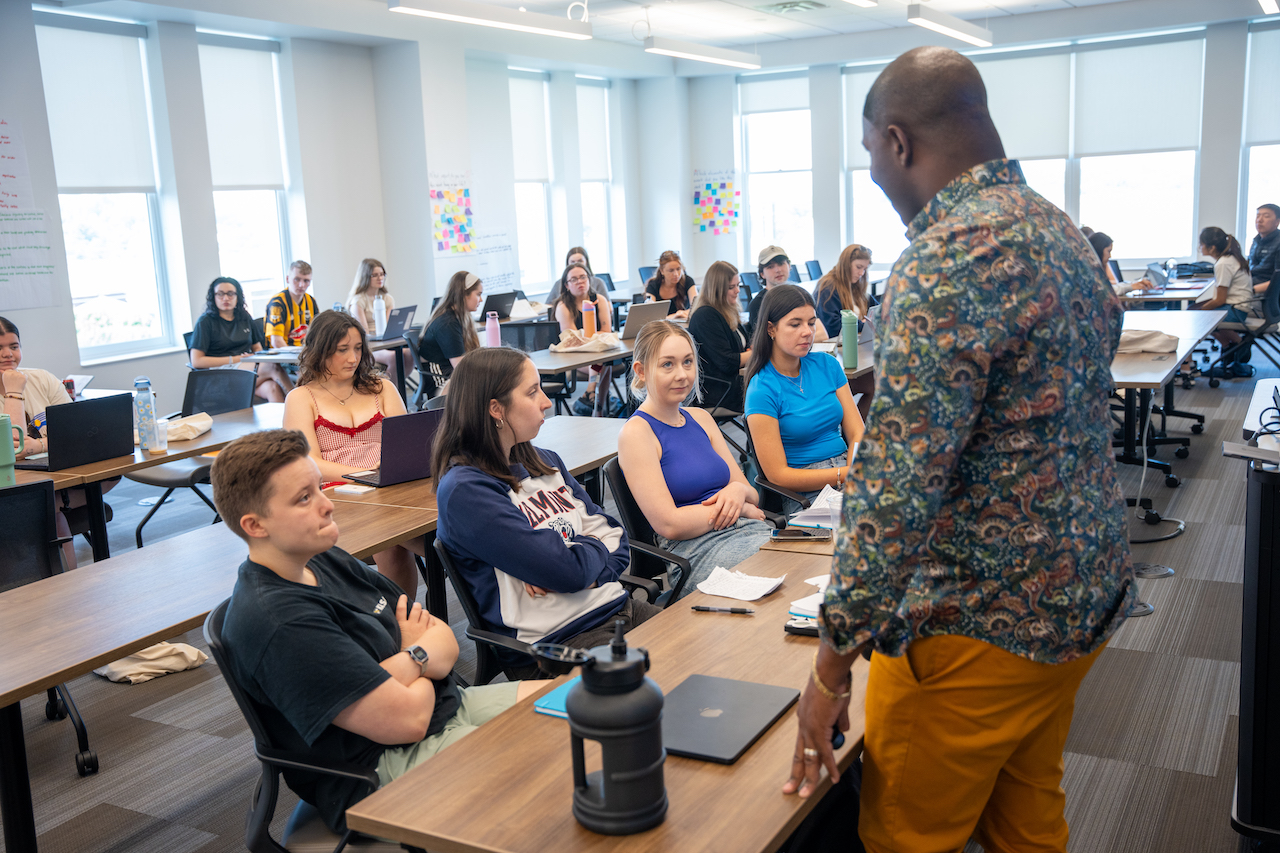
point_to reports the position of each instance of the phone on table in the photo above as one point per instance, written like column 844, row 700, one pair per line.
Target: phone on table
column 804, row 534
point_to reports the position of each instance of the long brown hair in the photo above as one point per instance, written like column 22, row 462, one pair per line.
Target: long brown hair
column 568, row 300
column 325, row 333
column 364, row 274
column 467, row 434
column 1224, row 244
column 779, row 301
column 681, row 298
column 714, row 292
column 853, row 294
column 455, row 303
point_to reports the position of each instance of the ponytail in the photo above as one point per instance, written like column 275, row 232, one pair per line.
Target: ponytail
column 1226, row 245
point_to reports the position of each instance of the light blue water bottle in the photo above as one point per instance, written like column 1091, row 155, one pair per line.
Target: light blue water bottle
column 152, row 437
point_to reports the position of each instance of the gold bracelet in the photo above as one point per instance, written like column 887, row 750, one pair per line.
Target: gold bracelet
column 826, row 691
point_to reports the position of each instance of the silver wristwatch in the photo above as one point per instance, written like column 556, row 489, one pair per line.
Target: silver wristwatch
column 419, row 654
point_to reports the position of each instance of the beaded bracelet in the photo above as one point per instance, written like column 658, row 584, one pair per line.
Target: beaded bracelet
column 826, row 691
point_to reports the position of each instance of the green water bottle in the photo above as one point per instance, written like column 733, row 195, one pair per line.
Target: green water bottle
column 849, row 338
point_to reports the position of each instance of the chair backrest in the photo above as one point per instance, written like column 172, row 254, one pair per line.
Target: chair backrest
column 794, row 275
column 436, row 402
column 744, row 297
column 815, row 270
column 186, row 338
column 487, row 663
column 607, row 279
column 222, row 657
column 1271, row 301
column 218, row 391
column 646, row 273
column 750, row 282
column 28, row 536
column 633, row 521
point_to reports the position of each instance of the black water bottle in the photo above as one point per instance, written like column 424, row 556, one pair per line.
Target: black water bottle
column 616, row 705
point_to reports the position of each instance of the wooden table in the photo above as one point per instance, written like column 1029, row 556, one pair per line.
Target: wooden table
column 268, row 356
column 508, row 787
column 822, row 547
column 1182, row 291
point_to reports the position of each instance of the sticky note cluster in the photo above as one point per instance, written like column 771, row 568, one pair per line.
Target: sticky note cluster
column 451, row 221
column 716, row 207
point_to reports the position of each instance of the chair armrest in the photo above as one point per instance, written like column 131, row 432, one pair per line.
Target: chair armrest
column 649, row 586
column 493, row 639
column 779, row 490
column 777, row 519
column 293, row 761
column 686, row 568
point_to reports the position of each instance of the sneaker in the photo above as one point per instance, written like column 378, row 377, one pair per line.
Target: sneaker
column 1242, row 370
column 1220, row 371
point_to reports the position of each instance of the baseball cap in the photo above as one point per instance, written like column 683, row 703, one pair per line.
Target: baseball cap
column 771, row 253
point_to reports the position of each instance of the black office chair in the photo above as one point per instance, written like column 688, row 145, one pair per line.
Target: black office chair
column 794, row 275
column 305, row 831
column 720, row 413
column 436, row 402
column 426, row 383
column 607, row 279
column 488, row 666
column 771, row 494
column 213, row 392
column 750, row 282
column 1259, row 330
column 33, row 552
column 815, row 270
column 646, row 273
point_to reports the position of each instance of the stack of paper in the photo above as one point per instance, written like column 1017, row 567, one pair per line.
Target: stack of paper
column 735, row 584
column 825, row 508
column 807, row 607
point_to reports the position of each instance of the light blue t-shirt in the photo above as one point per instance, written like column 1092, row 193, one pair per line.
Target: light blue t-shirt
column 809, row 421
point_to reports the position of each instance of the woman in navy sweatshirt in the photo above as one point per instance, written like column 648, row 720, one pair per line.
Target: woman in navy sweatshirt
column 540, row 557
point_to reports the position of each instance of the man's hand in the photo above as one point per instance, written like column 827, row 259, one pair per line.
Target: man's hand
column 818, row 718
column 413, row 623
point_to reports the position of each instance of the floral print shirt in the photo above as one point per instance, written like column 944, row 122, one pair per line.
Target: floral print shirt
column 983, row 501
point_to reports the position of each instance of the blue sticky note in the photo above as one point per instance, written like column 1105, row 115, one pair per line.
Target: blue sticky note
column 702, row 228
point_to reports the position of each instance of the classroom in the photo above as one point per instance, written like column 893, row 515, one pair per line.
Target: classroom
column 510, row 306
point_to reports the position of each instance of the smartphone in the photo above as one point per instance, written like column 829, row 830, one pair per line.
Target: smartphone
column 806, row 534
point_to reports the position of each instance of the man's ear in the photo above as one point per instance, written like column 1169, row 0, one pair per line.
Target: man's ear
column 252, row 525
column 899, row 145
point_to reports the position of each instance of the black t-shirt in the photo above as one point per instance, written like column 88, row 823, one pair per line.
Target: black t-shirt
column 681, row 302
column 720, row 351
column 306, row 653
column 220, row 338
column 441, row 340
column 753, row 311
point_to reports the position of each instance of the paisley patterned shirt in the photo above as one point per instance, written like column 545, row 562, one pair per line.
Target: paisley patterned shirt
column 983, row 501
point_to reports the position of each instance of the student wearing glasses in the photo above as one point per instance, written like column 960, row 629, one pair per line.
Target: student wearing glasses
column 716, row 324
column 370, row 283
column 225, row 333
column 671, row 283
column 577, row 255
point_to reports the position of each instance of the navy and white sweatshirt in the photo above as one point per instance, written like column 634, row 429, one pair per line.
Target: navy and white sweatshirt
column 547, row 533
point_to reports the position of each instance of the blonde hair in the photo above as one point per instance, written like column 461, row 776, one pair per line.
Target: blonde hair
column 645, row 352
column 853, row 294
column 364, row 274
column 715, row 292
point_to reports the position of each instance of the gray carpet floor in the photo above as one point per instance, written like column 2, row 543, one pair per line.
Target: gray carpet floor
column 1150, row 762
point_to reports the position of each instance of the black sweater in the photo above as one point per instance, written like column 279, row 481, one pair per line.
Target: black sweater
column 719, row 354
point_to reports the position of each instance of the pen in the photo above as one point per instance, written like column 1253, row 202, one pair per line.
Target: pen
column 743, row 610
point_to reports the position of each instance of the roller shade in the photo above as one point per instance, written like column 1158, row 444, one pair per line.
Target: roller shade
column 529, row 129
column 97, row 103
column 1144, row 98
column 770, row 94
column 1029, row 101
column 856, row 86
column 593, row 132
column 1262, row 117
column 240, row 114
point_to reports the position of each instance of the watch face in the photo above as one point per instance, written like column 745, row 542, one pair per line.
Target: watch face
column 418, row 653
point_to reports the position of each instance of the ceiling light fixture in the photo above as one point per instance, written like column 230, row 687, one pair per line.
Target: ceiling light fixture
column 1269, row 7
column 701, row 53
column 948, row 25
column 464, row 12
column 865, row 4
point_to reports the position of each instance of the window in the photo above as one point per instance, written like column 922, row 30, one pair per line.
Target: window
column 1144, row 202
column 875, row 223
column 779, row 182
column 595, row 224
column 593, row 150
column 1049, row 178
column 1264, row 184
column 95, row 92
column 249, row 243
column 530, row 125
column 1262, row 128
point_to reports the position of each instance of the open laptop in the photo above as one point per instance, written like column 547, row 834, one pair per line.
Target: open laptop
column 500, row 302
column 717, row 719
column 86, row 431
column 639, row 315
column 406, row 449
column 868, row 331
column 398, row 322
column 1156, row 273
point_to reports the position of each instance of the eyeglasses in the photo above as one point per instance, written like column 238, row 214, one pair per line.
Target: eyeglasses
column 224, row 293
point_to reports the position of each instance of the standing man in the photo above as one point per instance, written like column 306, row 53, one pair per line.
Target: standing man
column 1264, row 254
column 290, row 312
column 983, row 551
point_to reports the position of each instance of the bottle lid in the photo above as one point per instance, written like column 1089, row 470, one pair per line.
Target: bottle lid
column 615, row 668
column 139, row 381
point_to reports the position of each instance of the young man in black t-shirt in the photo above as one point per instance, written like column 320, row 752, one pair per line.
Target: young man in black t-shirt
column 353, row 673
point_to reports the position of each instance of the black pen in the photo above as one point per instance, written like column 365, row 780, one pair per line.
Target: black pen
column 742, row 610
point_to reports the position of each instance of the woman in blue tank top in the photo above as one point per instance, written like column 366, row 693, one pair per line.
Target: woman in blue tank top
column 678, row 466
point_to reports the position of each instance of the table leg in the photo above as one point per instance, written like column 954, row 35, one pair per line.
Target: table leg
column 15, row 784
column 1135, row 426
column 97, row 520
column 437, row 601
column 399, row 351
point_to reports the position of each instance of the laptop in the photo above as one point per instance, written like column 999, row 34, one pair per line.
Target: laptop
column 640, row 315
column 500, row 302
column 406, row 449
column 86, row 431
column 868, row 332
column 717, row 719
column 398, row 321
column 1115, row 270
column 1156, row 273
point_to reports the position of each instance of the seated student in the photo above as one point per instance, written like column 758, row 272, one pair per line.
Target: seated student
column 28, row 391
column 678, row 466
column 569, row 307
column 351, row 670
column 845, row 288
column 577, row 255
column 672, row 283
column 1233, row 290
column 773, row 267
column 450, row 333
column 716, row 325
column 540, row 557
column 799, row 408
column 1102, row 244
column 1264, row 252
column 225, row 332
column 339, row 405
column 291, row 310
column 370, row 282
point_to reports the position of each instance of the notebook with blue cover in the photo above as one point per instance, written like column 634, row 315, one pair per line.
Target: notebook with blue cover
column 553, row 703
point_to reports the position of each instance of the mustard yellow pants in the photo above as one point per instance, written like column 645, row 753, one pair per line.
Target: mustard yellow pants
column 965, row 739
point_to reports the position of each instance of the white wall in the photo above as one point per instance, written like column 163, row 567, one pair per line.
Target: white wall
column 492, row 161
column 662, row 110
column 826, row 120
column 713, row 120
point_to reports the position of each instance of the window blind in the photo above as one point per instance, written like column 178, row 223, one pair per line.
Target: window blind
column 1262, row 118
column 240, row 114
column 97, row 103
column 529, row 129
column 770, row 94
column 1029, row 99
column 593, row 132
column 856, row 86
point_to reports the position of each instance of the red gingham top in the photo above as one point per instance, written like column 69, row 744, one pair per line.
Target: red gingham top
column 360, row 446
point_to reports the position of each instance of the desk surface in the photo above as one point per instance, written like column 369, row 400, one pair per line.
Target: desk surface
column 521, row 759
column 825, row 547
column 549, row 362
column 1152, row 370
column 291, row 356
column 1181, row 290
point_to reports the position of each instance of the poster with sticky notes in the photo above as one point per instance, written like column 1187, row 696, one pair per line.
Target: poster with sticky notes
column 717, row 201
column 452, row 214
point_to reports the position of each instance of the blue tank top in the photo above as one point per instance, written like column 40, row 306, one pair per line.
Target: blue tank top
column 690, row 465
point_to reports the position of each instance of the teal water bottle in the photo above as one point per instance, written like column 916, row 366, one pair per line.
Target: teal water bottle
column 849, row 338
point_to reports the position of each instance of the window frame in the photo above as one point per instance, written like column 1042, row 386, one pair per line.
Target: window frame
column 747, row 238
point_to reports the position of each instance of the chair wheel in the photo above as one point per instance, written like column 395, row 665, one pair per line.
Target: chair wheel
column 1214, row 382
column 55, row 710
column 1172, row 482
column 1197, row 428
column 1182, row 452
column 86, row 762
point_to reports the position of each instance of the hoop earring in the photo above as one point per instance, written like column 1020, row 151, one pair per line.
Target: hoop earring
column 500, row 423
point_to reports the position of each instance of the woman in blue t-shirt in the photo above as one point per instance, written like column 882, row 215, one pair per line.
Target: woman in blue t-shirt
column 799, row 409
column 678, row 466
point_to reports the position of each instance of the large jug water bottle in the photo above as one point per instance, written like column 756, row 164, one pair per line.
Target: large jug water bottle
column 7, row 456
column 153, row 437
column 379, row 315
